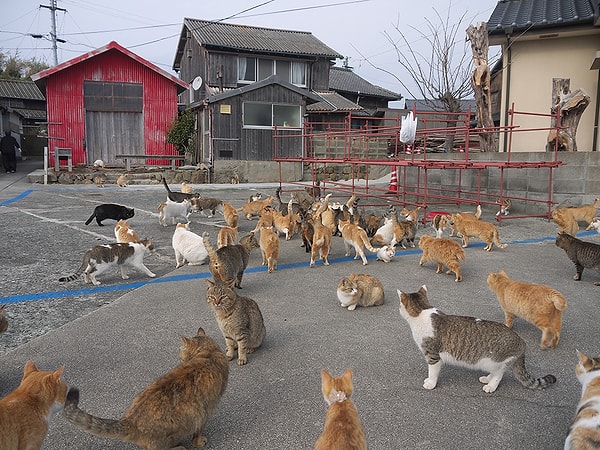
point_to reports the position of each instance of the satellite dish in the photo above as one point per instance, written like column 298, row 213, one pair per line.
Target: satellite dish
column 197, row 83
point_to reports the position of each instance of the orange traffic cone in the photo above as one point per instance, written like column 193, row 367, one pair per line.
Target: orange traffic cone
column 393, row 181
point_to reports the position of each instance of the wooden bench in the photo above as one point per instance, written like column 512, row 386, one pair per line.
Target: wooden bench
column 128, row 158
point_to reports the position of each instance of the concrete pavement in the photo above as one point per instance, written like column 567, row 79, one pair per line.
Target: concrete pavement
column 275, row 402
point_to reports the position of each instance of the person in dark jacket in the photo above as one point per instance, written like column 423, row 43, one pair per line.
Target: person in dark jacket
column 8, row 147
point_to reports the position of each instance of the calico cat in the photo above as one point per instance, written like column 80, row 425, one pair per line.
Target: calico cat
column 584, row 433
column 239, row 319
column 177, row 196
column 174, row 407
column 585, row 255
column 342, row 430
column 124, row 233
column 269, row 248
column 100, row 258
column 485, row 231
column 540, row 305
column 385, row 233
column 110, row 211
column 505, row 205
column 386, row 253
column 3, row 320
column 230, row 215
column 229, row 262
column 355, row 236
column 360, row 290
column 227, row 236
column 467, row 342
column 170, row 211
column 188, row 246
column 440, row 223
column 406, row 230
column 443, row 252
column 25, row 413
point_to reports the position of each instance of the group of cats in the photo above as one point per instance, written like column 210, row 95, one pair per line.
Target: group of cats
column 204, row 367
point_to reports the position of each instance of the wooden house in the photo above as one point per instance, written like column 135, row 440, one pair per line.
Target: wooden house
column 22, row 109
column 110, row 102
column 556, row 39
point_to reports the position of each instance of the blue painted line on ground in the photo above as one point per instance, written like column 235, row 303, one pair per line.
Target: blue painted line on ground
column 17, row 198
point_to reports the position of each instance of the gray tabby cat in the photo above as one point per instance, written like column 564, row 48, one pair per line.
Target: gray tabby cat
column 100, row 258
column 467, row 342
column 239, row 319
column 229, row 262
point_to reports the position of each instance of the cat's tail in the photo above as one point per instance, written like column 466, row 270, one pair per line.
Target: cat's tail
column 497, row 239
column 96, row 425
column 77, row 274
column 526, row 379
column 166, row 185
column 87, row 222
column 559, row 300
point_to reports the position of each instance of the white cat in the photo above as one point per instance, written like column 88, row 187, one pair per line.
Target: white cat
column 385, row 233
column 188, row 246
column 386, row 253
column 170, row 211
column 100, row 258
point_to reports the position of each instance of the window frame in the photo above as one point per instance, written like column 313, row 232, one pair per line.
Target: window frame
column 274, row 118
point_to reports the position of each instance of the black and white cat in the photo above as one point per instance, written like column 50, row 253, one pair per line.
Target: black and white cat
column 100, row 258
column 467, row 342
column 110, row 211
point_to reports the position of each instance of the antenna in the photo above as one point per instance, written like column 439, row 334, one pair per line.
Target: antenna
column 53, row 8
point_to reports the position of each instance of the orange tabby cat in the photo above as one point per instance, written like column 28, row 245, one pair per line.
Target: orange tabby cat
column 354, row 236
column 122, row 180
column 255, row 207
column 567, row 218
column 540, row 305
column 230, row 215
column 186, row 188
column 175, row 406
column 342, row 430
column 227, row 236
column 485, row 231
column 124, row 233
column 466, row 216
column 442, row 251
column 269, row 248
column 321, row 239
column 25, row 412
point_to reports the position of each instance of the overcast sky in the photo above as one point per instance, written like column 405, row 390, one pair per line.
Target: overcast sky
column 150, row 28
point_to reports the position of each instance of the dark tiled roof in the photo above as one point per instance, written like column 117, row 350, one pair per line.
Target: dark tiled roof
column 436, row 105
column 31, row 113
column 22, row 89
column 255, row 39
column 342, row 79
column 529, row 15
column 333, row 102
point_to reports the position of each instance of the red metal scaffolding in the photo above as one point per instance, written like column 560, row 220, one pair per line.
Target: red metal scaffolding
column 361, row 142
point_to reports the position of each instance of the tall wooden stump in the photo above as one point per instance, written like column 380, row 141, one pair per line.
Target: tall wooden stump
column 571, row 106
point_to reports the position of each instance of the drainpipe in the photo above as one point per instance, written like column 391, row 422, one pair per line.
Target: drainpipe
column 508, row 31
column 596, row 66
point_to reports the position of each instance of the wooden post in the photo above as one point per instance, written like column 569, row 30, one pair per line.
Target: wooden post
column 480, row 80
column 572, row 105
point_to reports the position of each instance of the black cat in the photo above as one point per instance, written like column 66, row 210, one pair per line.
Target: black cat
column 110, row 211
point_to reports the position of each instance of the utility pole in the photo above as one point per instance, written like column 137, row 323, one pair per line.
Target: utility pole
column 53, row 8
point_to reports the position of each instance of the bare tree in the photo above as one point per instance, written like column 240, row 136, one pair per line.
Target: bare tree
column 442, row 76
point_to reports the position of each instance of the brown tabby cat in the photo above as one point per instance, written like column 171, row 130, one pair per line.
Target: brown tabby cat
column 175, row 406
column 206, row 204
column 540, row 305
column 354, row 236
column 229, row 262
column 3, row 320
column 125, row 233
column 442, row 251
column 466, row 341
column 25, row 413
column 239, row 319
column 269, row 248
column 485, row 231
column 585, row 255
column 360, row 290
column 342, row 430
column 584, row 433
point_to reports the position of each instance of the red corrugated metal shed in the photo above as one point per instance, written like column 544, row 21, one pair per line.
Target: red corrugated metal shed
column 63, row 86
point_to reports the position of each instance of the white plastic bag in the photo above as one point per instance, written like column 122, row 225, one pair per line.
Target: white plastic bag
column 408, row 130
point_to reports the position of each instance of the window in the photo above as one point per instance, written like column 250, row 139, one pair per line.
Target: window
column 299, row 73
column 265, row 68
column 113, row 97
column 246, row 69
column 268, row 115
column 283, row 69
